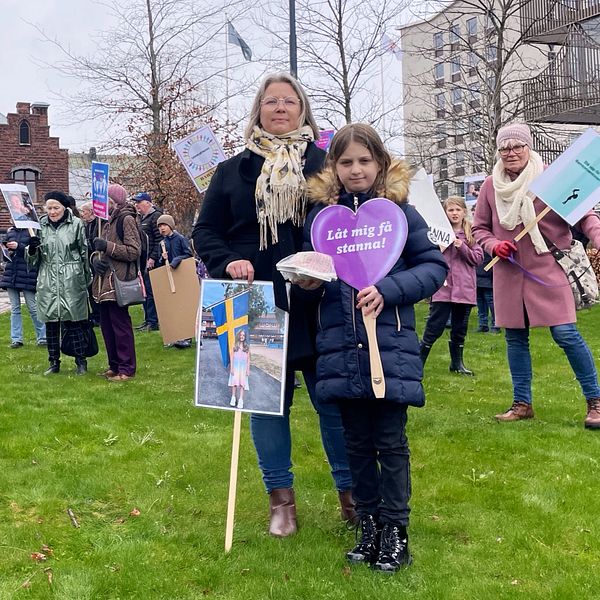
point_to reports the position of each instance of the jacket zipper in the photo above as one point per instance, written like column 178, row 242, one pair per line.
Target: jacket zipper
column 398, row 322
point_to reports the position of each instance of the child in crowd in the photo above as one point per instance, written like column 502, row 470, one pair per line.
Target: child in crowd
column 485, row 298
column 358, row 168
column 177, row 248
column 239, row 369
column 458, row 294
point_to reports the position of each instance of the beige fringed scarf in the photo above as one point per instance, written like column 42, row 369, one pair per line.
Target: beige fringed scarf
column 514, row 203
column 280, row 187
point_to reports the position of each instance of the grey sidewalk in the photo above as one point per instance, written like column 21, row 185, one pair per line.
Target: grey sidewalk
column 4, row 302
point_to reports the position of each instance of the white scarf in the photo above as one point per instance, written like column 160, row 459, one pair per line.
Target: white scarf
column 514, row 203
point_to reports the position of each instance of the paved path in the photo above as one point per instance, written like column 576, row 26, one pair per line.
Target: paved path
column 4, row 302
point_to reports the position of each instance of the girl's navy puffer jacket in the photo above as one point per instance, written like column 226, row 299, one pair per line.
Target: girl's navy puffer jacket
column 16, row 274
column 343, row 367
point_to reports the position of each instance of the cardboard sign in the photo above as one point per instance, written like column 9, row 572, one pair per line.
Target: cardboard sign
column 177, row 311
column 20, row 206
column 200, row 153
column 422, row 196
column 100, row 189
column 570, row 186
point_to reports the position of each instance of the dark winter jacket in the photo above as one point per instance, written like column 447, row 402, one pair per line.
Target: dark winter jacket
column 485, row 279
column 343, row 368
column 177, row 249
column 227, row 230
column 150, row 228
column 16, row 274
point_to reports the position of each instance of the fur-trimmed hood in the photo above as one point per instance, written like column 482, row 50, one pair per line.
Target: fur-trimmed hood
column 324, row 187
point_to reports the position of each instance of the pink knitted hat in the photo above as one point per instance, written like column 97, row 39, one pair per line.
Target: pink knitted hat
column 117, row 193
column 514, row 131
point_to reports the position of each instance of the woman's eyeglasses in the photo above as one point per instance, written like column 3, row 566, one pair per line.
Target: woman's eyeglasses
column 518, row 150
column 273, row 103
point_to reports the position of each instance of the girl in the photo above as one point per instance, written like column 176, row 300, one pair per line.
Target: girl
column 459, row 293
column 358, row 168
column 239, row 368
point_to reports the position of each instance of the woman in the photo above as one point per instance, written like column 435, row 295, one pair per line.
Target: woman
column 16, row 280
column 520, row 300
column 60, row 254
column 251, row 218
column 117, row 254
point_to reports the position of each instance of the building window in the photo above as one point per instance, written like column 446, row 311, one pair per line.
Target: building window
column 457, row 99
column 491, row 53
column 440, row 102
column 454, row 37
column 472, row 29
column 29, row 178
column 455, row 69
column 438, row 43
column 473, row 60
column 439, row 73
column 443, row 168
column 492, row 83
column 489, row 23
column 460, row 164
column 475, row 95
column 24, row 133
column 441, row 135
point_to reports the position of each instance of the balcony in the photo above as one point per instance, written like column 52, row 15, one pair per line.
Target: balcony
column 568, row 90
column 549, row 21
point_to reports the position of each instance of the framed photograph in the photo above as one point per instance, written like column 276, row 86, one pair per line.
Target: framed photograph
column 241, row 357
column 20, row 206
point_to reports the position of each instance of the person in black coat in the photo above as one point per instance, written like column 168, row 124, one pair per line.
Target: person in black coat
column 251, row 218
column 485, row 297
column 16, row 280
column 91, row 232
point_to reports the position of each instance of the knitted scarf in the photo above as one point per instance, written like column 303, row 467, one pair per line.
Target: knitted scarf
column 280, row 188
column 514, row 203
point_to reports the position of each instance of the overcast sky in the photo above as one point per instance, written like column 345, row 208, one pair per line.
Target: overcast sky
column 22, row 49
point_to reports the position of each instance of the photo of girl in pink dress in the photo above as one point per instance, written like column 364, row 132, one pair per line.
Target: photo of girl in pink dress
column 239, row 369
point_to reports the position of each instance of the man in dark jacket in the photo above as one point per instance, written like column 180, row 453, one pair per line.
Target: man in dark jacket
column 148, row 215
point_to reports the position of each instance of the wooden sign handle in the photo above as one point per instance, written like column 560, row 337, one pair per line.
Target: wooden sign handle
column 521, row 235
column 235, row 455
column 377, row 379
column 169, row 271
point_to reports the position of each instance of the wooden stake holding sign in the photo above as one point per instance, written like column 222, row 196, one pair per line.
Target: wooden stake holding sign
column 364, row 245
column 169, row 268
column 235, row 456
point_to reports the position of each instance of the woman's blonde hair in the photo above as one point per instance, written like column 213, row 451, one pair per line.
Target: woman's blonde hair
column 466, row 223
column 366, row 136
column 306, row 116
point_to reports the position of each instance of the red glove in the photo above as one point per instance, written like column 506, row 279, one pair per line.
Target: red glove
column 504, row 249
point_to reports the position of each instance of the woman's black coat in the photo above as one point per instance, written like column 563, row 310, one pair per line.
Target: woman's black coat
column 17, row 275
column 227, row 230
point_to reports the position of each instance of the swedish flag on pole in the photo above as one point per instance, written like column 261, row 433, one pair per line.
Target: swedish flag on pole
column 230, row 315
column 234, row 37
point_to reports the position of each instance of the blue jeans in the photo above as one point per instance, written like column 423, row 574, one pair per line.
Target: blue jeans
column 16, row 322
column 485, row 303
column 574, row 346
column 150, row 314
column 273, row 441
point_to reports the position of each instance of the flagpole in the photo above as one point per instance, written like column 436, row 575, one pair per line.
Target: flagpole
column 226, row 68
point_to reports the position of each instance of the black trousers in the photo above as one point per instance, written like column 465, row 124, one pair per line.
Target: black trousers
column 56, row 330
column 379, row 458
column 438, row 317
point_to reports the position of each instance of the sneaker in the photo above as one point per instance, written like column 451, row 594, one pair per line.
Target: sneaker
column 482, row 329
column 16, row 345
column 367, row 549
column 393, row 552
column 107, row 373
column 240, row 403
column 233, row 401
column 592, row 420
column 42, row 342
column 141, row 326
column 495, row 330
column 518, row 411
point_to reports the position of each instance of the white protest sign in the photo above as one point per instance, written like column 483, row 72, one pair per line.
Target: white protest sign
column 422, row 196
column 570, row 186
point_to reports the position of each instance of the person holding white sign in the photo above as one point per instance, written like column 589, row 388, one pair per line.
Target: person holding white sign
column 530, row 288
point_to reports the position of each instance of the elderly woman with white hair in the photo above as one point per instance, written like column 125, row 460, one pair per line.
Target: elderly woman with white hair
column 252, row 217
column 534, row 292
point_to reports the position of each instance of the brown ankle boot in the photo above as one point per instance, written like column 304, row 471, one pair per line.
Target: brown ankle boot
column 518, row 411
column 347, row 507
column 282, row 506
column 592, row 421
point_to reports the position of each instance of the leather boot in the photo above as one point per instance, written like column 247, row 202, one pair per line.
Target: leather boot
column 367, row 549
column 347, row 507
column 393, row 551
column 54, row 367
column 518, row 411
column 592, row 421
column 424, row 350
column 456, row 359
column 282, row 506
column 80, row 366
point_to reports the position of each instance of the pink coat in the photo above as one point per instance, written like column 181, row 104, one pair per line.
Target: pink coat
column 461, row 283
column 514, row 293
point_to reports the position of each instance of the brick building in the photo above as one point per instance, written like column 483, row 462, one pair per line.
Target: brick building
column 30, row 156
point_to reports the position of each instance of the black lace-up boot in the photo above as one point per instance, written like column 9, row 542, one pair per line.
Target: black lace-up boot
column 393, row 549
column 366, row 550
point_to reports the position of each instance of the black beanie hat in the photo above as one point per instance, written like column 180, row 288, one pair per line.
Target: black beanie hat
column 59, row 197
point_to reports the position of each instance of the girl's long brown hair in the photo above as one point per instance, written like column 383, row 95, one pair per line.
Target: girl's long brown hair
column 466, row 224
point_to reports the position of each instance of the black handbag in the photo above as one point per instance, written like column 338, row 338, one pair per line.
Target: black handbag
column 67, row 345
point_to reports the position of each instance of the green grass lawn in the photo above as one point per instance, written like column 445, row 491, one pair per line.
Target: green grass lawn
column 499, row 510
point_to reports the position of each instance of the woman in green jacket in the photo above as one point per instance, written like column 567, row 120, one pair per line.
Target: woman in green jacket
column 60, row 254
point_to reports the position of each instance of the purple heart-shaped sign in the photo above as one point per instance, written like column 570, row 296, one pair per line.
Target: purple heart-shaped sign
column 364, row 245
